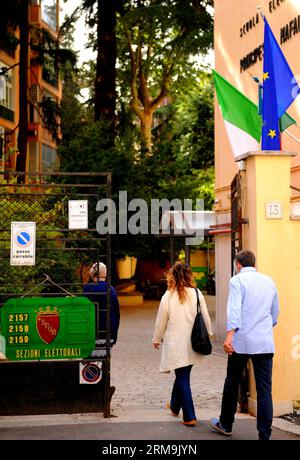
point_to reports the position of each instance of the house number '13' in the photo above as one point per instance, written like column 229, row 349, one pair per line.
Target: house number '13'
column 274, row 210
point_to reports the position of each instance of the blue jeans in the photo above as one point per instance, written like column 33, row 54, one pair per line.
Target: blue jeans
column 262, row 364
column 181, row 394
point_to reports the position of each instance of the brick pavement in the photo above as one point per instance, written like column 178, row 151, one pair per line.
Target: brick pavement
column 135, row 372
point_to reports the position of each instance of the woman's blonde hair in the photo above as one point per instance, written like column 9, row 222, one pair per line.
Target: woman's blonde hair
column 179, row 277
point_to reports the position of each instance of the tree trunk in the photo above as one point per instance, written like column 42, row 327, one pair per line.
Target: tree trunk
column 105, row 83
column 146, row 130
column 23, row 86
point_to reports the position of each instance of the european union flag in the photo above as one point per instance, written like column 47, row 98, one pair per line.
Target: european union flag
column 280, row 89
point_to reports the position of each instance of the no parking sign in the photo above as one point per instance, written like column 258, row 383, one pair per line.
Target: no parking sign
column 22, row 245
column 90, row 373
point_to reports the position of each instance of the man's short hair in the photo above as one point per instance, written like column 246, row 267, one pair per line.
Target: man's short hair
column 245, row 258
column 98, row 269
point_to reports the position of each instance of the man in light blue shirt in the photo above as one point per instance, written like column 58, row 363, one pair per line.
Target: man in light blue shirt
column 252, row 312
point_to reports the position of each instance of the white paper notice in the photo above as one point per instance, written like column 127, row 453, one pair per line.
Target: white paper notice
column 78, row 214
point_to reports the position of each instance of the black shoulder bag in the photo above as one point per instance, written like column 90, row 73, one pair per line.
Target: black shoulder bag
column 200, row 338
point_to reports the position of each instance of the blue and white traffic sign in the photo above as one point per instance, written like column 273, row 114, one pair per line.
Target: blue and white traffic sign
column 23, row 239
column 22, row 247
column 90, row 373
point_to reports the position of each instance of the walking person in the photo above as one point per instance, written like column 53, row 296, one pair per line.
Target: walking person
column 173, row 327
column 252, row 312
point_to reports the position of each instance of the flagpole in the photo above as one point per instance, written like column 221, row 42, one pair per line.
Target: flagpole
column 292, row 136
column 260, row 10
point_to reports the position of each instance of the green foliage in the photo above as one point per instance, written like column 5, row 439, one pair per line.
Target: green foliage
column 171, row 34
column 193, row 122
column 51, row 112
column 62, row 266
column 87, row 151
column 180, row 165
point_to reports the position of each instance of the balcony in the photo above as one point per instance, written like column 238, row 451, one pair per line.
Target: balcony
column 7, row 114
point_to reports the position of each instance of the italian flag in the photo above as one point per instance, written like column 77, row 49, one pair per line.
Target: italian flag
column 241, row 118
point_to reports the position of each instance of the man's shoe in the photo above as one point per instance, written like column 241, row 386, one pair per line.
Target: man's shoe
column 216, row 425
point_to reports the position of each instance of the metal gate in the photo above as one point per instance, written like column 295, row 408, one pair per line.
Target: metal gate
column 64, row 255
column 236, row 219
column 237, row 222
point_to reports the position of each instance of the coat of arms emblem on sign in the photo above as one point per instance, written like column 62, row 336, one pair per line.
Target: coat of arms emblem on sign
column 47, row 323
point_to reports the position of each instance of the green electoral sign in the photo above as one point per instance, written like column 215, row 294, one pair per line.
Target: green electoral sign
column 48, row 328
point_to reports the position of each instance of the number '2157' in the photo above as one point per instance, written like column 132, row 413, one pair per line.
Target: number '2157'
column 18, row 317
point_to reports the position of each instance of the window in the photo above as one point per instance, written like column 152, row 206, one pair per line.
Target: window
column 34, row 101
column 49, row 71
column 49, row 9
column 49, row 157
column 48, row 95
column 2, row 139
column 33, row 156
column 6, row 87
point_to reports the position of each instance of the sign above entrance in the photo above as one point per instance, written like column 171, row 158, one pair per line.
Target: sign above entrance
column 22, row 247
column 78, row 215
column 48, row 328
column 252, row 22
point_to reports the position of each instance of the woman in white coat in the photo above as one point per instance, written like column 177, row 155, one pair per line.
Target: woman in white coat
column 173, row 327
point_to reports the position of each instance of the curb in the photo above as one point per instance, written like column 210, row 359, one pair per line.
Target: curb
column 284, row 425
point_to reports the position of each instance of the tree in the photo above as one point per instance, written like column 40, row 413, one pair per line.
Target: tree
column 160, row 38
column 103, row 14
column 181, row 130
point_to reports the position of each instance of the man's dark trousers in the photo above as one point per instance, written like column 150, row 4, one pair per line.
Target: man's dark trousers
column 262, row 364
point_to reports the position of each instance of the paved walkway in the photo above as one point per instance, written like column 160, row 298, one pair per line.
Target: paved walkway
column 135, row 370
column 138, row 405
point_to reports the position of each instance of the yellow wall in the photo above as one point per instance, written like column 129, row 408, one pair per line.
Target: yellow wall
column 276, row 244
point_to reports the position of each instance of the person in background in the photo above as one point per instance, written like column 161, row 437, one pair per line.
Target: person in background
column 173, row 327
column 252, row 312
column 96, row 291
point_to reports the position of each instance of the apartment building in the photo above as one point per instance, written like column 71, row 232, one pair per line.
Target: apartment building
column 43, row 85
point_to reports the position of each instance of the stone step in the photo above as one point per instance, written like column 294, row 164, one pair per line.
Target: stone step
column 127, row 286
column 130, row 299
